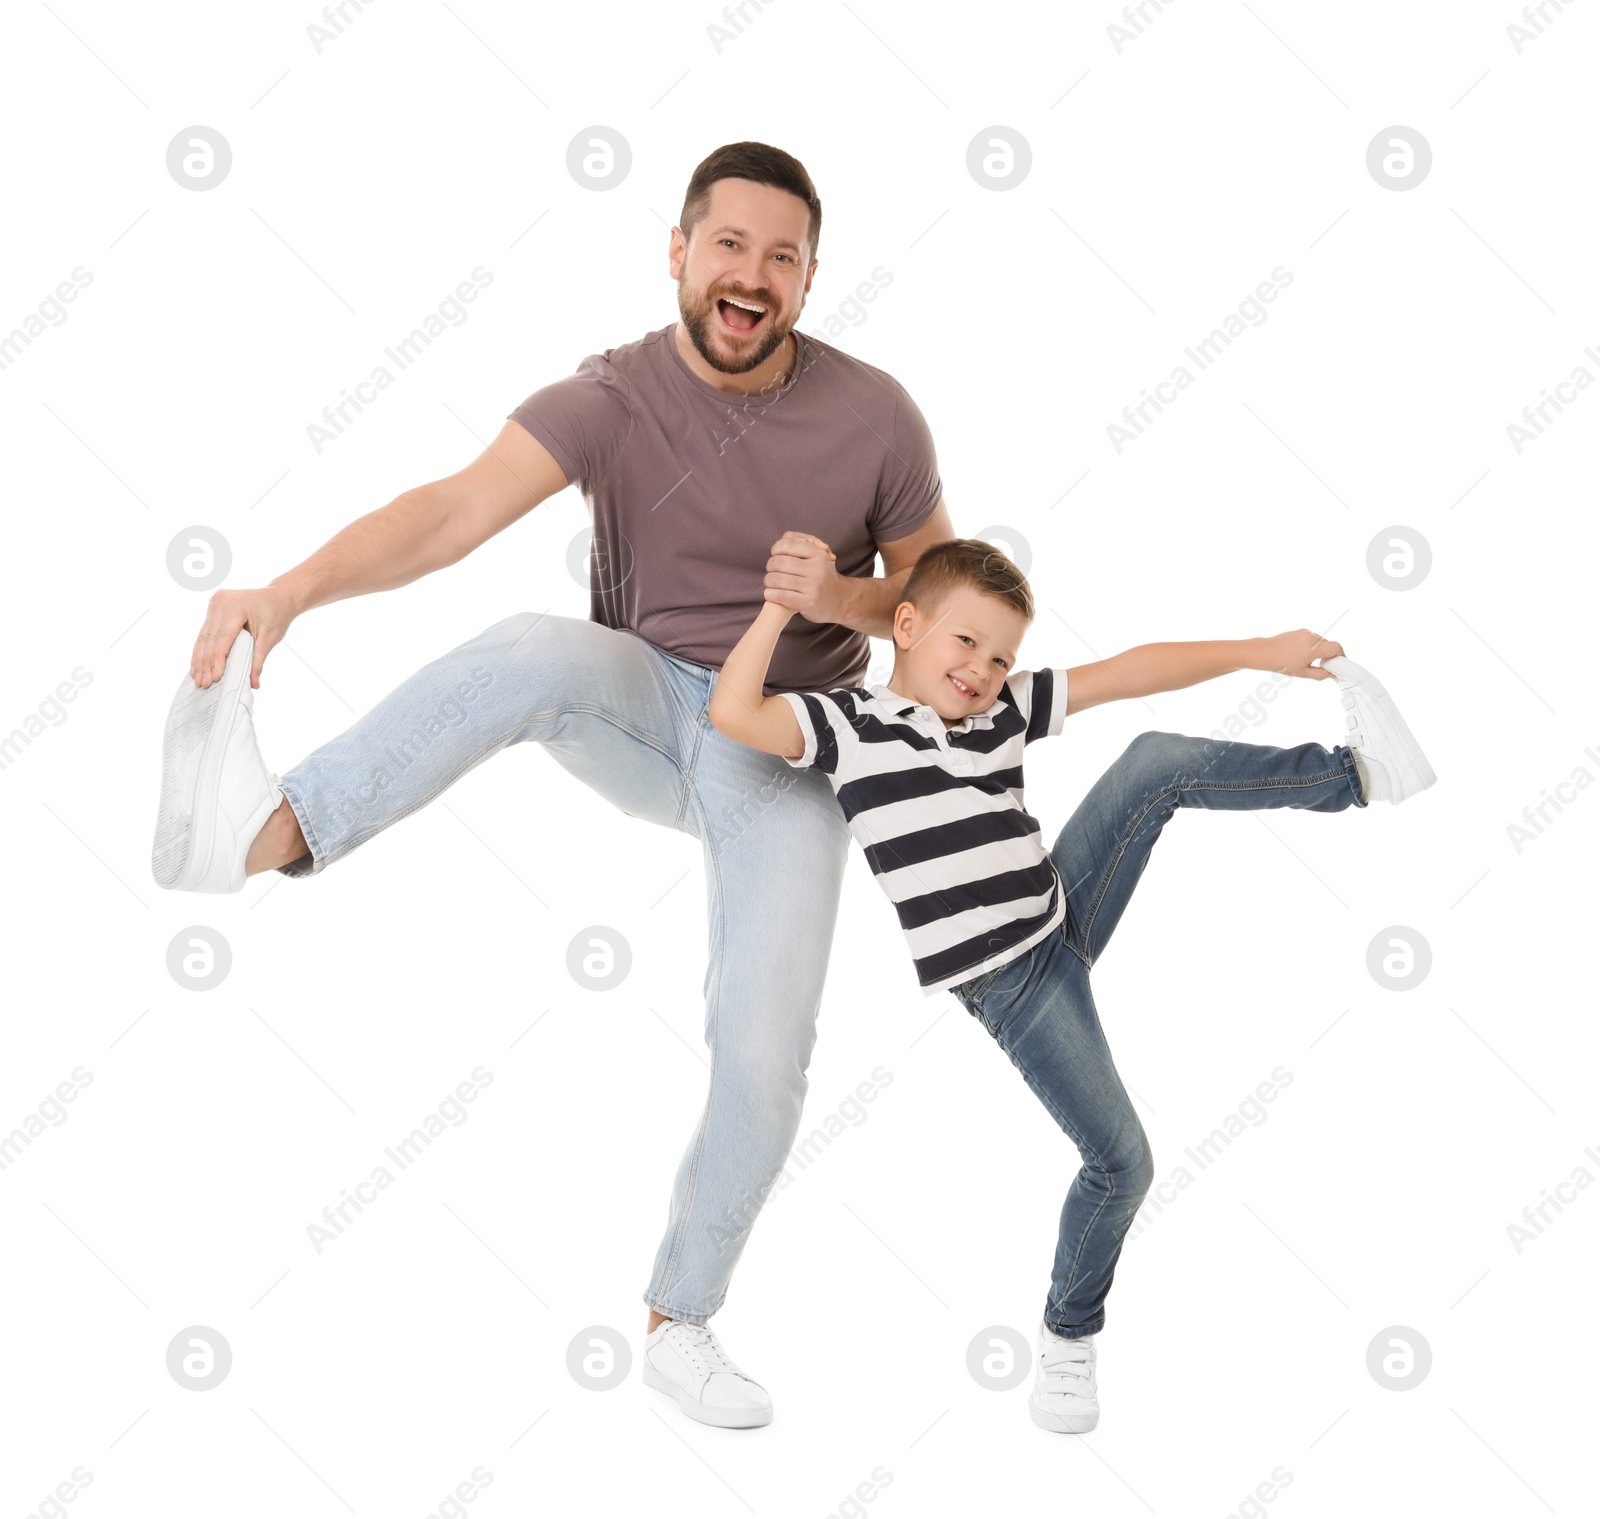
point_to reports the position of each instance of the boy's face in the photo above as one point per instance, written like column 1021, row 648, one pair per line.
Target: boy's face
column 956, row 656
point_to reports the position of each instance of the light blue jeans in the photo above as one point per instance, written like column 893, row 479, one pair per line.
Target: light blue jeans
column 631, row 722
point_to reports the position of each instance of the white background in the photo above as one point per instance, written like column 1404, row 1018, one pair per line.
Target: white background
column 1167, row 180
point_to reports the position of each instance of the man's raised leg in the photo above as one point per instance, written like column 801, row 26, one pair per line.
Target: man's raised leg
column 594, row 697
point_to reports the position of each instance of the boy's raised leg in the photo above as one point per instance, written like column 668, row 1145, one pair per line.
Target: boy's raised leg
column 1105, row 845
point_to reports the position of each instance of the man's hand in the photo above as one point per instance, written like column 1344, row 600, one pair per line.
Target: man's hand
column 1292, row 653
column 801, row 576
column 266, row 612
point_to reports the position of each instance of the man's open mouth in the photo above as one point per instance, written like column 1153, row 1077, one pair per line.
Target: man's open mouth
column 740, row 316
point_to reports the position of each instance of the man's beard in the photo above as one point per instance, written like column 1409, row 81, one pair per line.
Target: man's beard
column 698, row 324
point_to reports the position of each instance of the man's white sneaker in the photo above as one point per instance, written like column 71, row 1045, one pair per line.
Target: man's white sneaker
column 215, row 791
column 688, row 1363
column 1392, row 761
column 1065, row 1396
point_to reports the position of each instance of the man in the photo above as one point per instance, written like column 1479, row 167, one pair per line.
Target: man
column 711, row 451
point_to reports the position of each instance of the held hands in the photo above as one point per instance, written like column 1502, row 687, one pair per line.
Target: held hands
column 801, row 577
column 1292, row 653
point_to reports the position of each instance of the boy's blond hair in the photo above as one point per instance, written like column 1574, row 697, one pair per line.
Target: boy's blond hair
column 942, row 567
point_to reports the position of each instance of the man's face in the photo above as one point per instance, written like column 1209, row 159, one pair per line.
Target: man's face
column 748, row 250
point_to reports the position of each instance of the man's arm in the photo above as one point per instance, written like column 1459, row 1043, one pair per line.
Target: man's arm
column 421, row 530
column 1153, row 667
column 810, row 585
column 738, row 709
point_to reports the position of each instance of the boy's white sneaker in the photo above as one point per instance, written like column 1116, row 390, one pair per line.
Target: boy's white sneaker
column 688, row 1363
column 1392, row 761
column 1065, row 1396
column 215, row 791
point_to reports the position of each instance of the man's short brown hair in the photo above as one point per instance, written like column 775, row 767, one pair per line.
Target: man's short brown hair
column 762, row 165
column 942, row 567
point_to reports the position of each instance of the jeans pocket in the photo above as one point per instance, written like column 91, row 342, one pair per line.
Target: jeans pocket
column 971, row 992
column 973, row 1007
column 1002, row 986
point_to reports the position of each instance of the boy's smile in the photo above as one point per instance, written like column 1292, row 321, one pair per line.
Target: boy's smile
column 956, row 656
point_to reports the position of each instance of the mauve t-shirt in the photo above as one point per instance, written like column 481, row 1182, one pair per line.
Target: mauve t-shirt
column 689, row 487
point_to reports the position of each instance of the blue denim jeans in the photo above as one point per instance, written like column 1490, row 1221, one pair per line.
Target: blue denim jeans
column 1039, row 1006
column 631, row 722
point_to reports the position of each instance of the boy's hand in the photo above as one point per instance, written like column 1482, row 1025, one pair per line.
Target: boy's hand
column 801, row 577
column 1292, row 653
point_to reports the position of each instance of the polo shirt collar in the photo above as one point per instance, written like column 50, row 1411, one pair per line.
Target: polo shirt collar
column 903, row 706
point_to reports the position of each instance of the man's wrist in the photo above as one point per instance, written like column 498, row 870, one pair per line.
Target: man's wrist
column 292, row 587
column 865, row 605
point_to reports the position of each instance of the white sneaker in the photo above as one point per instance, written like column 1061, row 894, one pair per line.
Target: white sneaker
column 1393, row 763
column 1065, row 1396
column 688, row 1363
column 215, row 791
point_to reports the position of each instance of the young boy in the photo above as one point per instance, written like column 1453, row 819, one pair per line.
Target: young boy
column 928, row 770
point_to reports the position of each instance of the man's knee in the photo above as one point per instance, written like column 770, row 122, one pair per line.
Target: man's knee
column 765, row 1096
column 774, row 1083
column 535, row 658
column 524, row 630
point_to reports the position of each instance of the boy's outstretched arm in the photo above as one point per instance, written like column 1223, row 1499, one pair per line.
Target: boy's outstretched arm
column 738, row 709
column 1152, row 667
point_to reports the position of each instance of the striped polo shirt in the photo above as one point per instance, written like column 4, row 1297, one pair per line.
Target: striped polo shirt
column 938, row 812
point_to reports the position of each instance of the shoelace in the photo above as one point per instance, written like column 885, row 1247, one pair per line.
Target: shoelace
column 1066, row 1368
column 698, row 1342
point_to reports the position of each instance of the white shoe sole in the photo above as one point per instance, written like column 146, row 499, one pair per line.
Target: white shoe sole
column 192, row 752
column 723, row 1418
column 1063, row 1424
column 1389, row 742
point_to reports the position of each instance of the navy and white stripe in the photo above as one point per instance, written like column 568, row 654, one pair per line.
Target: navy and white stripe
column 939, row 814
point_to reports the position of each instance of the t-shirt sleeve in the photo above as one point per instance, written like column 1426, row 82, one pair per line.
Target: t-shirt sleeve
column 909, row 487
column 1042, row 700
column 583, row 420
column 830, row 736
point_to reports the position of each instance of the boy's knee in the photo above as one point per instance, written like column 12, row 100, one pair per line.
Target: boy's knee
column 1156, row 747
column 1135, row 1166
column 1143, row 1174
column 1160, row 757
